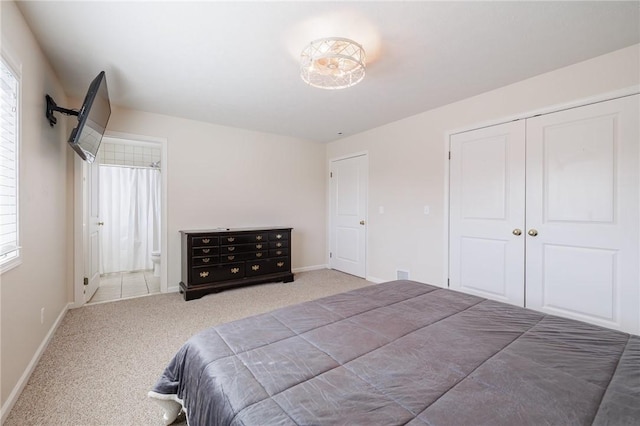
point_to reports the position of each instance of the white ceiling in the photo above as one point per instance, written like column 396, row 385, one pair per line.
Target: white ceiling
column 236, row 63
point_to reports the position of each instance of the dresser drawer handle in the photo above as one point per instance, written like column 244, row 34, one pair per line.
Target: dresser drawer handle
column 258, row 254
column 206, row 260
column 231, row 257
column 205, row 251
column 235, row 270
column 279, row 252
column 258, row 246
column 255, row 267
column 258, row 237
column 231, row 248
column 278, row 244
column 204, row 274
column 279, row 236
column 206, row 240
column 280, row 264
column 231, row 239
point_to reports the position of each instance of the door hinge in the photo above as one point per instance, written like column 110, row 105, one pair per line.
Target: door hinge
column 86, row 281
column 330, row 254
column 330, row 174
column 448, row 285
column 449, row 155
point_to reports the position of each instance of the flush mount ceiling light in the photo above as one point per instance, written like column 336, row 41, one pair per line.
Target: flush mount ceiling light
column 332, row 63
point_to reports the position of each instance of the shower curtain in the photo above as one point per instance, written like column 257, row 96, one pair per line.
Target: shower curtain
column 130, row 209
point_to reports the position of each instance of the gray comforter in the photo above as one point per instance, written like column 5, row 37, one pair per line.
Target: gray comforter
column 406, row 353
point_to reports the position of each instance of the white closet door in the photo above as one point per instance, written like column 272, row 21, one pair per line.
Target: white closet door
column 487, row 212
column 582, row 201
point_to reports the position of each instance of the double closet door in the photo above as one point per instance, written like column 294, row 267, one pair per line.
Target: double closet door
column 544, row 213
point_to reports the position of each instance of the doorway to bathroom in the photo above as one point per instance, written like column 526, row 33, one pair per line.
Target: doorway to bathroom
column 130, row 218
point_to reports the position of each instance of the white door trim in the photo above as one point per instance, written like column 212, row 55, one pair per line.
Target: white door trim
column 78, row 234
column 78, row 231
column 628, row 91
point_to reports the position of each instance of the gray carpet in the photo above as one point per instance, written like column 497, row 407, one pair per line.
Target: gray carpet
column 103, row 359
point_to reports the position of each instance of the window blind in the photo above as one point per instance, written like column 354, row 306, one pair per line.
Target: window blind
column 8, row 164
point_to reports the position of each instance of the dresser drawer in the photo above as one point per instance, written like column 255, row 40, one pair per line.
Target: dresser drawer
column 275, row 236
column 206, row 251
column 282, row 251
column 267, row 266
column 278, row 244
column 204, row 260
column 261, row 246
column 244, row 256
column 243, row 238
column 282, row 264
column 204, row 241
column 244, row 247
column 237, row 248
column 207, row 274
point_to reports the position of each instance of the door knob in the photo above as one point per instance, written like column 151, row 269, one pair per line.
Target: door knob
column 517, row 232
column 532, row 232
column 100, row 223
column 362, row 222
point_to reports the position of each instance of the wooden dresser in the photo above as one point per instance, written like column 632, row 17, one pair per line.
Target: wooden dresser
column 214, row 260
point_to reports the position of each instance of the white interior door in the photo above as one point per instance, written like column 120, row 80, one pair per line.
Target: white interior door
column 92, row 230
column 582, row 206
column 486, row 246
column 348, row 215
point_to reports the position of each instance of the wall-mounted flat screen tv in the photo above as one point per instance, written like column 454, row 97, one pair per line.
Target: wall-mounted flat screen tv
column 92, row 120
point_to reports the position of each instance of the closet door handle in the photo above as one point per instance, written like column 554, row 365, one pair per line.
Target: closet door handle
column 517, row 232
column 532, row 232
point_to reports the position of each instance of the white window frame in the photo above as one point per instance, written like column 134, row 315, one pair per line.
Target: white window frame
column 16, row 69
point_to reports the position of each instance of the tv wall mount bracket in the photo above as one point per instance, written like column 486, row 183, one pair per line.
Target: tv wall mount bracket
column 52, row 106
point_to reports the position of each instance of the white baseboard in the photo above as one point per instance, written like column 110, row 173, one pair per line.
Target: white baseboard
column 19, row 387
column 310, row 268
column 317, row 267
column 173, row 289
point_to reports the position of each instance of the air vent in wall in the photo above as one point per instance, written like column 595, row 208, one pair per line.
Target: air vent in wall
column 402, row 275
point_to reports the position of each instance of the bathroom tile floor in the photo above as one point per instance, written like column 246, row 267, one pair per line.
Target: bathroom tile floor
column 121, row 285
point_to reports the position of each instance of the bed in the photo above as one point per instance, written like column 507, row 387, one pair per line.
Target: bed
column 403, row 352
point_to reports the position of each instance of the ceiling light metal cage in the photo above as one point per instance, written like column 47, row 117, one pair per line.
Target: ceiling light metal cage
column 332, row 63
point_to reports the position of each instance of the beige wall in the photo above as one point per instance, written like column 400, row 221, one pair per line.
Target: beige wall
column 226, row 177
column 407, row 160
column 41, row 281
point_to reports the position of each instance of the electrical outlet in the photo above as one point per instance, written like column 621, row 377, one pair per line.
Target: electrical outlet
column 426, row 210
column 42, row 316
